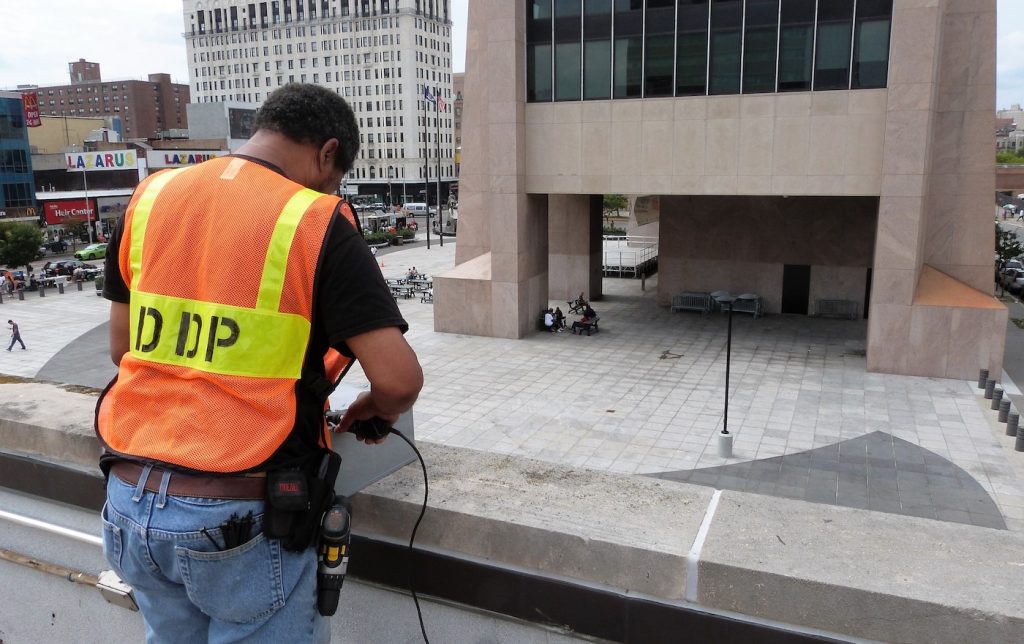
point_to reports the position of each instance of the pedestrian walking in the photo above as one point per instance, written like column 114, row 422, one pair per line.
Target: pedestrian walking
column 15, row 335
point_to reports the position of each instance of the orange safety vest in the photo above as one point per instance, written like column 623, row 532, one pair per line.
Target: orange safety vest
column 220, row 260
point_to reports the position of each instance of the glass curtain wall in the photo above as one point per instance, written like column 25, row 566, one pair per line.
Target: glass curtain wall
column 538, row 51
column 568, row 55
column 871, row 44
column 832, row 56
column 629, row 46
column 796, row 45
column 601, row 49
column 659, row 53
column 692, row 48
column 760, row 45
column 726, row 46
column 597, row 49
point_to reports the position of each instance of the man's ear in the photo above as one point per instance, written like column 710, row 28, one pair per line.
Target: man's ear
column 328, row 152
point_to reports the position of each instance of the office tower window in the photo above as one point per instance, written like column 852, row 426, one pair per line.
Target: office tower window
column 796, row 45
column 871, row 43
column 692, row 48
column 538, row 51
column 659, row 51
column 568, row 63
column 760, row 44
column 629, row 47
column 651, row 48
column 597, row 49
column 832, row 56
column 726, row 45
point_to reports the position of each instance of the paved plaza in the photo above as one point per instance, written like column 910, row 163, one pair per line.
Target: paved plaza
column 644, row 396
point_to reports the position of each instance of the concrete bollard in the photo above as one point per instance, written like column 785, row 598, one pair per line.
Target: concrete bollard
column 725, row 445
column 60, row 288
column 42, row 291
column 79, row 285
column 982, row 378
column 1004, row 410
column 989, row 388
column 1012, row 423
column 1020, row 440
column 997, row 397
column 21, row 295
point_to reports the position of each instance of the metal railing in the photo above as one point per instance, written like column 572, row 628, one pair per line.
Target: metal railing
column 629, row 255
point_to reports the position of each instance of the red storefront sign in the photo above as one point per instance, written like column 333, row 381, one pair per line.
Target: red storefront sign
column 30, row 101
column 64, row 212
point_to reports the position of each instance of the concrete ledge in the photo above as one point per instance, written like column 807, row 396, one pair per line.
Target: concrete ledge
column 628, row 533
column 880, row 576
column 843, row 570
column 52, row 422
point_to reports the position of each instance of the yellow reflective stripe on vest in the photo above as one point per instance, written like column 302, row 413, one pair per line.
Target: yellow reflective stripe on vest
column 217, row 338
column 140, row 217
column 272, row 281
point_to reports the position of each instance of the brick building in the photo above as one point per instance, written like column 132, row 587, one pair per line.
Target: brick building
column 141, row 108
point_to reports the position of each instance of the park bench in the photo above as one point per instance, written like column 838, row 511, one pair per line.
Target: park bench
column 589, row 327
column 846, row 309
column 694, row 301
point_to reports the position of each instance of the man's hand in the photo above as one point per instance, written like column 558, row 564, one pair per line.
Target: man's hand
column 363, row 408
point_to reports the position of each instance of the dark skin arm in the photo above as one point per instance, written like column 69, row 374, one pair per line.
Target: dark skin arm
column 119, row 331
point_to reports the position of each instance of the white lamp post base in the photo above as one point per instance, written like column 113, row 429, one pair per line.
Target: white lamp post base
column 725, row 445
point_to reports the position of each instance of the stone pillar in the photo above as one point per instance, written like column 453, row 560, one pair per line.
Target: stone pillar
column 499, row 284
column 938, row 180
column 574, row 243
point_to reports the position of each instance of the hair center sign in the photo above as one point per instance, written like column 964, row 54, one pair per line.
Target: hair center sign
column 108, row 160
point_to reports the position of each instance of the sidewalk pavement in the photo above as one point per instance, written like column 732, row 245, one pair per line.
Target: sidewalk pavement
column 644, row 397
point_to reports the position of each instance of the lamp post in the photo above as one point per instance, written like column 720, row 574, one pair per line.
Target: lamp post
column 724, row 437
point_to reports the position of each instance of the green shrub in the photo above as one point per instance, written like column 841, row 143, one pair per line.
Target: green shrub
column 407, row 233
column 613, row 230
column 378, row 238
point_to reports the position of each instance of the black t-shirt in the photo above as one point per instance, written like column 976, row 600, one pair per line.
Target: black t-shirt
column 350, row 297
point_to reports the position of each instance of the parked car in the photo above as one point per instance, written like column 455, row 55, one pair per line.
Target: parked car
column 55, row 247
column 92, row 251
column 68, row 267
column 1013, row 280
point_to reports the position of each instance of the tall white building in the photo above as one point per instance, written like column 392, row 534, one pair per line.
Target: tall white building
column 378, row 54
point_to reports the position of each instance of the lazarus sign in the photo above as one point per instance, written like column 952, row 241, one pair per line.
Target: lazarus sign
column 180, row 158
column 109, row 160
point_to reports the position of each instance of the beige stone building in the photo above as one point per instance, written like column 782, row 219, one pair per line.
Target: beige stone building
column 800, row 150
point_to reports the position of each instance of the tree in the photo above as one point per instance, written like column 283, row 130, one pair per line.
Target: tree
column 19, row 244
column 615, row 203
column 1007, row 245
column 75, row 230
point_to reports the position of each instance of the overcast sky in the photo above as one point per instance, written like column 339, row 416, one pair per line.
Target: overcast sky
column 133, row 38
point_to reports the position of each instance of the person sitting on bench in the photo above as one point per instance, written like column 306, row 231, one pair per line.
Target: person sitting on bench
column 559, row 319
column 549, row 320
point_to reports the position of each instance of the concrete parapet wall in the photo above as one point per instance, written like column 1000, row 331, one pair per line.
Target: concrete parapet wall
column 853, row 572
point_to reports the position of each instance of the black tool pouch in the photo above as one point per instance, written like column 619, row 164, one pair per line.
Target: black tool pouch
column 296, row 500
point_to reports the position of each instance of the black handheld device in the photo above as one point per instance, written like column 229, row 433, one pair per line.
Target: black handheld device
column 374, row 428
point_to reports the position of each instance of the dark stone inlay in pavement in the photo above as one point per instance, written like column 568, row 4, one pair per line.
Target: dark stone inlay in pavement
column 876, row 471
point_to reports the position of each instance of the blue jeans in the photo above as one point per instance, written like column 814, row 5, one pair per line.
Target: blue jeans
column 191, row 591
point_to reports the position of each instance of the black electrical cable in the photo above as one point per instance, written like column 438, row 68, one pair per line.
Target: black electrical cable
column 412, row 539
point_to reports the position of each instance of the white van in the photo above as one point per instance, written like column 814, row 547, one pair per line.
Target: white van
column 416, row 209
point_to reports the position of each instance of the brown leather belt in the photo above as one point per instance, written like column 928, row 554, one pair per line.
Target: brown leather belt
column 181, row 484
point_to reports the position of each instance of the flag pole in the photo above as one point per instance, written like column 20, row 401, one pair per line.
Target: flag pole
column 426, row 163
column 437, row 123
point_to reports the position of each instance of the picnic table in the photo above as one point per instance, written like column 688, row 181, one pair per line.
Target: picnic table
column 403, row 290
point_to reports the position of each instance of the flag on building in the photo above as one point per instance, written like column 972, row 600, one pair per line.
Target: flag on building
column 441, row 105
column 427, row 95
